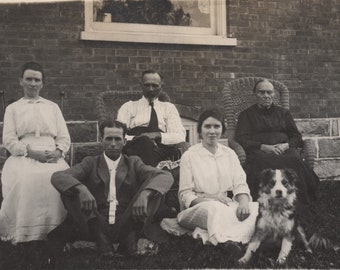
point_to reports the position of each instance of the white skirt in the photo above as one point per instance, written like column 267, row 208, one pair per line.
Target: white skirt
column 31, row 207
column 215, row 222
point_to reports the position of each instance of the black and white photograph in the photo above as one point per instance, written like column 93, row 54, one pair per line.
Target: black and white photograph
column 169, row 134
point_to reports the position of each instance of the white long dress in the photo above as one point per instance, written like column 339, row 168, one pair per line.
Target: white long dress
column 31, row 206
column 203, row 174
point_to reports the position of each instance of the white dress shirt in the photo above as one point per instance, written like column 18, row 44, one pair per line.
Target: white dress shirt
column 203, row 174
column 112, row 198
column 137, row 114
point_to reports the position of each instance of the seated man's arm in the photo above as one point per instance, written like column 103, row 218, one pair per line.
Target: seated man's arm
column 69, row 182
column 152, row 182
column 175, row 132
column 140, row 207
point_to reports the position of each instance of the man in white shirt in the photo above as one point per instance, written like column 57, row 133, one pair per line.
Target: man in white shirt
column 155, row 125
column 111, row 196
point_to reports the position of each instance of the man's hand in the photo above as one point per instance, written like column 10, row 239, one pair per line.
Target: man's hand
column 87, row 201
column 242, row 211
column 140, row 207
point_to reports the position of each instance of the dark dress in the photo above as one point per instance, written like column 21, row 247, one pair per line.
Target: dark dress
column 271, row 126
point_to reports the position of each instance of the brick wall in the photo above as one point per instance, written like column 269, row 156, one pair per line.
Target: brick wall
column 294, row 41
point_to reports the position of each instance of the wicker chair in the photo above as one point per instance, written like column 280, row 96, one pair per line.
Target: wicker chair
column 109, row 102
column 238, row 95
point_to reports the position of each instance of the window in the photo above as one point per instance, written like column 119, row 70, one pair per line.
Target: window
column 166, row 21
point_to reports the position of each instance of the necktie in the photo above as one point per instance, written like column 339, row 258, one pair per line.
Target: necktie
column 153, row 124
column 112, row 196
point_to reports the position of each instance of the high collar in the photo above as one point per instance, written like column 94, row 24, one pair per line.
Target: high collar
column 38, row 100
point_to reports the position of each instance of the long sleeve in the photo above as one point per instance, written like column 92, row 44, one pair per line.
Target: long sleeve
column 137, row 114
column 152, row 178
column 62, row 139
column 244, row 132
column 175, row 132
column 186, row 193
column 240, row 185
column 294, row 135
column 65, row 180
column 9, row 136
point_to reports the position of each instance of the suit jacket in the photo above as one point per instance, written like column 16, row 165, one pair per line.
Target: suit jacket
column 132, row 177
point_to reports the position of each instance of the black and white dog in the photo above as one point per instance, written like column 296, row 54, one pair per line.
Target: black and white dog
column 277, row 214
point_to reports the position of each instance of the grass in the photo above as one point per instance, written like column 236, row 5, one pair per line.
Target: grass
column 185, row 252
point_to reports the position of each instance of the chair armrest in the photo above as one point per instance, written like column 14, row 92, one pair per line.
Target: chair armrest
column 309, row 152
column 238, row 150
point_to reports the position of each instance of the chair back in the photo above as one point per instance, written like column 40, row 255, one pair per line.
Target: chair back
column 238, row 95
column 109, row 102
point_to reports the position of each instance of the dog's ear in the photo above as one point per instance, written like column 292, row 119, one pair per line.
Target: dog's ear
column 290, row 175
column 264, row 176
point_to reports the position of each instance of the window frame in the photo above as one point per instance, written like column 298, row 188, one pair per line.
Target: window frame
column 130, row 32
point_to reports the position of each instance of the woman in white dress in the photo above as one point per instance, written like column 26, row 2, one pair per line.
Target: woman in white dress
column 208, row 172
column 36, row 135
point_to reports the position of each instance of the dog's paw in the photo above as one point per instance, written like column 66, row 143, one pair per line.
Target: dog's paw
column 281, row 260
column 243, row 261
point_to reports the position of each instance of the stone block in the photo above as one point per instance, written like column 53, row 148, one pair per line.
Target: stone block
column 329, row 147
column 83, row 131
column 335, row 127
column 314, row 127
column 328, row 169
column 81, row 150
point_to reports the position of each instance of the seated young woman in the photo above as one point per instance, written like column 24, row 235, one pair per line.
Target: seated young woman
column 209, row 172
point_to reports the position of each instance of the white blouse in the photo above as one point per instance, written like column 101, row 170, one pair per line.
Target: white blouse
column 203, row 174
column 137, row 114
column 37, row 118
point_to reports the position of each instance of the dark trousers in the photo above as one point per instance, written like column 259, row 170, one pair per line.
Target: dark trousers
column 149, row 151
column 80, row 225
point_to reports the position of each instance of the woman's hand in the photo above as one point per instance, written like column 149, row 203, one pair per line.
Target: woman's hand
column 242, row 211
column 283, row 147
column 53, row 156
column 44, row 156
column 37, row 155
column 276, row 149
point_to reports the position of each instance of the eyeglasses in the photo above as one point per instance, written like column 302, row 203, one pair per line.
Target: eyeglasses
column 151, row 85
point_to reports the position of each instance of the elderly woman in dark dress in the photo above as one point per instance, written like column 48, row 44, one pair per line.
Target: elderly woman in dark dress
column 271, row 140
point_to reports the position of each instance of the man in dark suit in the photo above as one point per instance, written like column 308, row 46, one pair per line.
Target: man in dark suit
column 112, row 211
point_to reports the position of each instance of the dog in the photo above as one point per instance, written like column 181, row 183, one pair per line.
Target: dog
column 277, row 214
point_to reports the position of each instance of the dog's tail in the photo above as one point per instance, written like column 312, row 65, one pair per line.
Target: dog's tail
column 319, row 242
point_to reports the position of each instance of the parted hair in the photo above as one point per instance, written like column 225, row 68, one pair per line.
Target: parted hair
column 33, row 66
column 111, row 123
column 214, row 113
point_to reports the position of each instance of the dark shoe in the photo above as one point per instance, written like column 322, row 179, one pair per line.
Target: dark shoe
column 165, row 212
column 129, row 245
column 155, row 233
